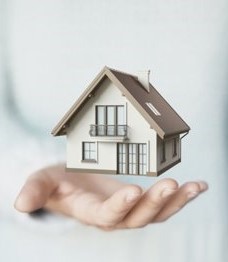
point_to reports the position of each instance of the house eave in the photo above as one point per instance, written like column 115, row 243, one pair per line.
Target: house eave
column 173, row 134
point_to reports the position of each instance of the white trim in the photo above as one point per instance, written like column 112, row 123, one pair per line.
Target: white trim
column 126, row 113
column 96, row 153
column 148, row 156
column 96, row 143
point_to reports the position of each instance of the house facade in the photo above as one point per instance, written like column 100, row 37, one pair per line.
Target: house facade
column 108, row 132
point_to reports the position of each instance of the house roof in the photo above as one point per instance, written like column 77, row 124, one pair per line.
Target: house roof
column 152, row 106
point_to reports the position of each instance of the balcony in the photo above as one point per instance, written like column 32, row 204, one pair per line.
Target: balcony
column 108, row 131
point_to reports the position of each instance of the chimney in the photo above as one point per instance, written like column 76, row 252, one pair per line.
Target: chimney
column 144, row 79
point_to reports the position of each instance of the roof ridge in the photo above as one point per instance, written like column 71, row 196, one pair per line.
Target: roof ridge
column 122, row 72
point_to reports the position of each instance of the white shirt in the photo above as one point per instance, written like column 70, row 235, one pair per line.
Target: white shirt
column 52, row 50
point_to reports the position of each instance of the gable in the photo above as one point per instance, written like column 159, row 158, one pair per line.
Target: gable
column 108, row 95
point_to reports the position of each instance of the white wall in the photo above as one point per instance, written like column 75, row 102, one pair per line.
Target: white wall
column 139, row 131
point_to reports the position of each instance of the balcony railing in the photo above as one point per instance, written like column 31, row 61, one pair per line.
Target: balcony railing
column 108, row 130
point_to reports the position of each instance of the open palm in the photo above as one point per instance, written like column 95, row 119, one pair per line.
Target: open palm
column 104, row 202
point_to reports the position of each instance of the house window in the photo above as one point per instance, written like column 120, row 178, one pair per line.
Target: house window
column 110, row 120
column 142, row 159
column 163, row 152
column 122, row 159
column 174, row 147
column 89, row 151
column 132, row 158
column 153, row 109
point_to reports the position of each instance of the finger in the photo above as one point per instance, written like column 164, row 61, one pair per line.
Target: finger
column 203, row 186
column 35, row 193
column 115, row 208
column 186, row 193
column 150, row 204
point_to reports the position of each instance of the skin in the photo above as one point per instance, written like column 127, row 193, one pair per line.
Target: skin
column 104, row 202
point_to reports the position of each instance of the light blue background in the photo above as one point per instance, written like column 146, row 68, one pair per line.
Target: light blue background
column 50, row 51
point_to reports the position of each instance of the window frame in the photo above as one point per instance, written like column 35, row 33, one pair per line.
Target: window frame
column 163, row 151
column 108, row 131
column 90, row 151
column 174, row 146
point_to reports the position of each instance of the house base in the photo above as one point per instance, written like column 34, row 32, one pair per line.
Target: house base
column 168, row 167
column 91, row 171
column 114, row 172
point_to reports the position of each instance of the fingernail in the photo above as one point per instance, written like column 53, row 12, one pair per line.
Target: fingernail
column 203, row 185
column 167, row 192
column 192, row 194
column 18, row 204
column 132, row 197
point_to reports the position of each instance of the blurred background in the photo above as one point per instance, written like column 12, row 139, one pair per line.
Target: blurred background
column 49, row 52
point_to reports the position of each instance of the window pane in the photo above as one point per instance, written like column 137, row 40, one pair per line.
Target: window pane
column 140, row 148
column 124, row 148
column 86, row 155
column 133, row 159
column 111, row 130
column 111, row 126
column 120, row 115
column 101, row 130
column 124, row 158
column 144, row 159
column 134, row 169
column 110, row 115
column 130, row 168
column 130, row 148
column 92, row 155
column 144, row 170
column 120, row 169
column 86, row 146
column 121, row 130
column 120, row 148
column 140, row 169
column 100, row 115
column 92, row 146
column 124, row 168
column 144, row 149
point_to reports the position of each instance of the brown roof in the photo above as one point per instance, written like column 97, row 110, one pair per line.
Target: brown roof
column 166, row 124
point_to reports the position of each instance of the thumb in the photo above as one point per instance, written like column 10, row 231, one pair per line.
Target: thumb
column 35, row 193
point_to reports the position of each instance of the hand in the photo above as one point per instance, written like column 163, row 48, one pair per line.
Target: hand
column 104, row 202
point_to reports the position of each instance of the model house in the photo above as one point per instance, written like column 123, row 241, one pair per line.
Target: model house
column 122, row 125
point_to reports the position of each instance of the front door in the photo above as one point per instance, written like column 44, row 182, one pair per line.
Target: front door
column 131, row 158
